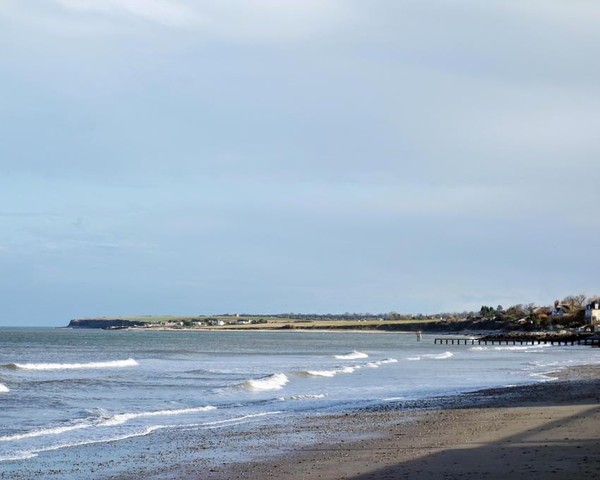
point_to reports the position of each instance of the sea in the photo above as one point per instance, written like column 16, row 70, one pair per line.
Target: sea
column 86, row 403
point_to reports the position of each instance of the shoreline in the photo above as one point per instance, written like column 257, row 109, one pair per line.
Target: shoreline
column 380, row 433
column 545, row 430
column 588, row 338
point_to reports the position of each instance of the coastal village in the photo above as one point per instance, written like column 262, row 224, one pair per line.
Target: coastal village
column 575, row 314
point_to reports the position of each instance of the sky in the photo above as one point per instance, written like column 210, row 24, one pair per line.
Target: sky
column 309, row 156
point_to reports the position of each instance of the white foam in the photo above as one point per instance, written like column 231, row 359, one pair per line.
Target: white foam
column 333, row 373
column 441, row 356
column 130, row 362
column 352, row 356
column 118, row 419
column 45, row 431
column 305, row 397
column 531, row 348
column 24, row 455
column 4, row 388
column 235, row 421
column 349, row 369
column 322, row 373
column 378, row 363
column 273, row 382
column 432, row 356
column 122, row 418
column 545, row 376
column 514, row 347
column 545, row 364
column 18, row 456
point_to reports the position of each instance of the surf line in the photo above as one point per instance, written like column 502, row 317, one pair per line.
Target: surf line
column 130, row 362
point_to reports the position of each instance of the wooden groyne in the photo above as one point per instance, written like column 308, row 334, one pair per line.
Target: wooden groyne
column 594, row 342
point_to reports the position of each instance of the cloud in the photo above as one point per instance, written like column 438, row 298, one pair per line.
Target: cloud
column 170, row 13
column 221, row 20
column 574, row 15
column 273, row 19
column 374, row 149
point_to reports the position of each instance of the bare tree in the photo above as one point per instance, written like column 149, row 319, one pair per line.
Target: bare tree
column 576, row 300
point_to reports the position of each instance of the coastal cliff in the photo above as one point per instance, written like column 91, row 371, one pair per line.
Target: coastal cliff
column 104, row 323
column 287, row 324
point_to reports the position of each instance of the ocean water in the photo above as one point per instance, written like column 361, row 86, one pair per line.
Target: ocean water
column 64, row 390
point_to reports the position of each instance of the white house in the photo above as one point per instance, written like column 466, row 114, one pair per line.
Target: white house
column 592, row 314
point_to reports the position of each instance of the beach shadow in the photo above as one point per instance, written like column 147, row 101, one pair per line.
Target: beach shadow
column 536, row 453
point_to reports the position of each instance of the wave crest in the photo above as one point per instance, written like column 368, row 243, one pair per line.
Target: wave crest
column 106, row 421
column 44, row 432
column 122, row 418
column 130, row 362
column 4, row 388
column 351, row 356
column 273, row 382
column 305, row 397
column 378, row 363
column 432, row 356
column 331, row 373
column 348, row 369
column 322, row 373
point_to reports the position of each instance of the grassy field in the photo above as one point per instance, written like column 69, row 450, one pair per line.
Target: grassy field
column 323, row 324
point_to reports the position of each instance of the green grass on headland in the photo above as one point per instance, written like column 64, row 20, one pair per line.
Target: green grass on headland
column 568, row 314
column 252, row 322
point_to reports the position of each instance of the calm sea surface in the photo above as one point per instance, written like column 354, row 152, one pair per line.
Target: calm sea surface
column 62, row 390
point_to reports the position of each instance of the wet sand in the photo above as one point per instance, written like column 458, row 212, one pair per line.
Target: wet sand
column 549, row 430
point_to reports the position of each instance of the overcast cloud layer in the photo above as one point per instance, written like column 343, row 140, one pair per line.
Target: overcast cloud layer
column 212, row 156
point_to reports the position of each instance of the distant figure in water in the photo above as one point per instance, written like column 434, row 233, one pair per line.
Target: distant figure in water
column 419, row 336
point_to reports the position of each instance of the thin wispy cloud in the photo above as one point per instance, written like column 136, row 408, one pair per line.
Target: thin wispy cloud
column 206, row 20
column 165, row 12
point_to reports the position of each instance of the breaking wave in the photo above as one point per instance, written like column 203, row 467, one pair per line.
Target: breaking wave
column 130, row 362
column 525, row 348
column 331, row 373
column 4, row 388
column 347, row 369
column 322, row 373
column 272, row 382
column 303, row 397
column 42, row 432
column 432, row 356
column 378, row 363
column 122, row 418
column 351, row 356
column 102, row 421
column 27, row 454
column 521, row 347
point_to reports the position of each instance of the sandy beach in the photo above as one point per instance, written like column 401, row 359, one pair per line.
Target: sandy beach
column 549, row 430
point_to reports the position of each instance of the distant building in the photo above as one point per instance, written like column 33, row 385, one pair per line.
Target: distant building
column 559, row 309
column 592, row 315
